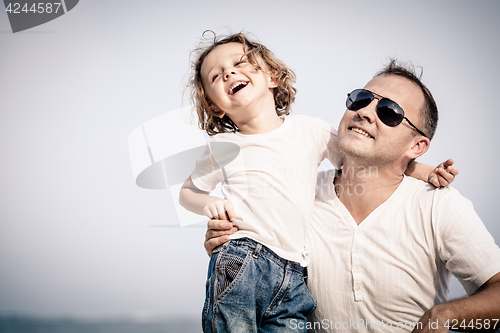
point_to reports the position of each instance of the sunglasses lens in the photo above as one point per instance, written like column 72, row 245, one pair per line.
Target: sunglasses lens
column 389, row 112
column 358, row 99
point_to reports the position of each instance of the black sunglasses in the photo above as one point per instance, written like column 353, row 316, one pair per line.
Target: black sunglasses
column 389, row 112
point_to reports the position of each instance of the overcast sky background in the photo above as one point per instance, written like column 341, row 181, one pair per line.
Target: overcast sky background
column 78, row 237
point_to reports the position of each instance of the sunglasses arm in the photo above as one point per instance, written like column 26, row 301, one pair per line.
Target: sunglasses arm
column 415, row 127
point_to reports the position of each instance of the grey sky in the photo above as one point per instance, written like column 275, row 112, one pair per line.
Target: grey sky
column 76, row 233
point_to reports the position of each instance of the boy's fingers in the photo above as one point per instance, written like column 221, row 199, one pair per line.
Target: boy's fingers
column 223, row 216
column 446, row 175
column 209, row 212
column 445, row 178
column 449, row 162
column 230, row 214
column 228, row 209
column 220, row 212
column 435, row 181
column 452, row 170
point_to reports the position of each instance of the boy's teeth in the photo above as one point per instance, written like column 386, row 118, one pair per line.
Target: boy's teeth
column 360, row 131
column 237, row 84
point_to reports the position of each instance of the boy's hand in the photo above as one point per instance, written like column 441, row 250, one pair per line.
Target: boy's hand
column 444, row 174
column 219, row 209
column 218, row 232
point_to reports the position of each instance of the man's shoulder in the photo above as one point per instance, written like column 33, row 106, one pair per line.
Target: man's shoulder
column 420, row 187
column 418, row 191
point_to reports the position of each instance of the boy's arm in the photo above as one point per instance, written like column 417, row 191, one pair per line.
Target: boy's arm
column 442, row 175
column 201, row 203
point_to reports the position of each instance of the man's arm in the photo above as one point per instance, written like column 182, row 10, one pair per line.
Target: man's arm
column 218, row 232
column 478, row 312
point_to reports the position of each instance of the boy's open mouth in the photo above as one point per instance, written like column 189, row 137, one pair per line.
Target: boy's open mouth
column 237, row 86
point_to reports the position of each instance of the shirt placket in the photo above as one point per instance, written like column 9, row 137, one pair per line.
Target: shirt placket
column 356, row 264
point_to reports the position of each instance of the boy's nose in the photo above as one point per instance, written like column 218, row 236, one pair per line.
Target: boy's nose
column 226, row 74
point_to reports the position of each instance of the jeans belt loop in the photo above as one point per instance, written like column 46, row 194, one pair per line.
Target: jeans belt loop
column 257, row 250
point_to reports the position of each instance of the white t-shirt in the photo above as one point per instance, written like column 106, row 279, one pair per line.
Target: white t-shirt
column 396, row 264
column 270, row 180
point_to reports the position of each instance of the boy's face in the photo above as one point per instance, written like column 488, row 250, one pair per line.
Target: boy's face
column 233, row 84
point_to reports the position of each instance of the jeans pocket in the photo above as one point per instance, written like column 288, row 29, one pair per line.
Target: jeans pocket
column 206, row 305
column 227, row 268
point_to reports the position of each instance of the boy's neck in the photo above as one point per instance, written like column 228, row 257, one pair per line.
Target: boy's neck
column 258, row 117
column 261, row 124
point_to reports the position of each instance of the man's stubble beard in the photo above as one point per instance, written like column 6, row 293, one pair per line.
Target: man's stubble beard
column 365, row 159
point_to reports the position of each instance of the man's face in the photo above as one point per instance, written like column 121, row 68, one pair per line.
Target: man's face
column 363, row 136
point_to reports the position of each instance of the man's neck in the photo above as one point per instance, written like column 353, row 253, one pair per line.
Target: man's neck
column 363, row 188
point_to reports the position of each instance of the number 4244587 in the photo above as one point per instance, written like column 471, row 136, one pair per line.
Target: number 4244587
column 41, row 7
column 473, row 324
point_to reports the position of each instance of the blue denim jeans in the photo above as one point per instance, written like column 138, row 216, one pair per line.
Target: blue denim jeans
column 251, row 289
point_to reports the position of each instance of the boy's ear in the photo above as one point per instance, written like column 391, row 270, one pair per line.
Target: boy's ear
column 216, row 111
column 273, row 81
column 419, row 146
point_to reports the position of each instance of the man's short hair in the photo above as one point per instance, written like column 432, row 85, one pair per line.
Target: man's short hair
column 429, row 113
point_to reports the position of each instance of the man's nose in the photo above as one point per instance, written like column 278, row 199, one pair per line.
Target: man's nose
column 369, row 112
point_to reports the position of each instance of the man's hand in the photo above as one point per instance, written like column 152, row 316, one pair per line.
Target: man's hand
column 479, row 312
column 219, row 209
column 443, row 174
column 218, row 232
column 433, row 320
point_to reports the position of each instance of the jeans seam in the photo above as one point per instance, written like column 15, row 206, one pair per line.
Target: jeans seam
column 282, row 284
column 206, row 306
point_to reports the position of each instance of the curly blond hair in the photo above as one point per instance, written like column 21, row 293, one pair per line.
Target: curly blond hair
column 208, row 113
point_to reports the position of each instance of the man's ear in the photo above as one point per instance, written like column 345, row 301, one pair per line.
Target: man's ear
column 419, row 146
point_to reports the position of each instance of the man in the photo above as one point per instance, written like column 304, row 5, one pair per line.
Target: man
column 383, row 245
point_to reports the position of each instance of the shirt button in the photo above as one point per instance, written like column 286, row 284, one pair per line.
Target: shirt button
column 354, row 250
column 355, row 270
column 357, row 288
